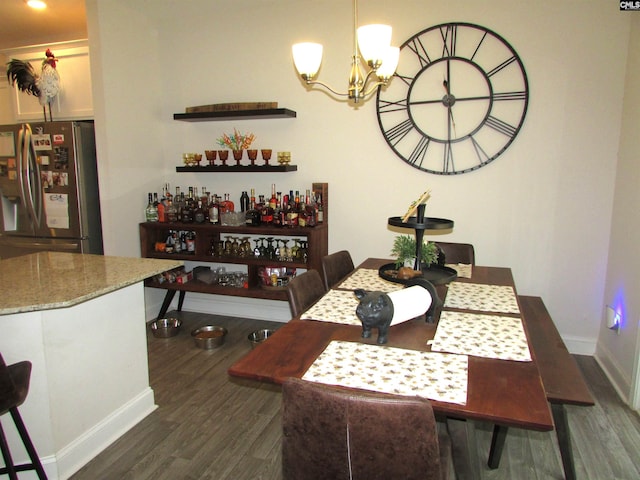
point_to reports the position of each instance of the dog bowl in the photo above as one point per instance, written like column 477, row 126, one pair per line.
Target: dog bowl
column 165, row 327
column 259, row 336
column 209, row 337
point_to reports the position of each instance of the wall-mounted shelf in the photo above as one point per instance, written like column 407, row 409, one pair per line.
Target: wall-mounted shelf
column 239, row 168
column 236, row 115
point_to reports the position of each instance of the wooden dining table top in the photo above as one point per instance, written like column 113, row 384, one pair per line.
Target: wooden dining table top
column 503, row 392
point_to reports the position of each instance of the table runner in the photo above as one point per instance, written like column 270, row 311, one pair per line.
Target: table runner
column 369, row 279
column 437, row 376
column 337, row 306
column 481, row 297
column 480, row 335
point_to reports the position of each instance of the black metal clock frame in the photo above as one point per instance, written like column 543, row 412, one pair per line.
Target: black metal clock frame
column 457, row 101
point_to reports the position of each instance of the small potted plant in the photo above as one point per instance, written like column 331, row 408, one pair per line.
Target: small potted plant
column 404, row 251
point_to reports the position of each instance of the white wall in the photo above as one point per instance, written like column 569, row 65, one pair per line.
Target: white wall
column 618, row 353
column 544, row 208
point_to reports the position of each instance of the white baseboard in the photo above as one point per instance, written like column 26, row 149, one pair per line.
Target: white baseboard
column 78, row 453
column 580, row 345
column 621, row 383
column 259, row 309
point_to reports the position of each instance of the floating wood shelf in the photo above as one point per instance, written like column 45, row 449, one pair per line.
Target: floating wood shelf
column 239, row 168
column 235, row 115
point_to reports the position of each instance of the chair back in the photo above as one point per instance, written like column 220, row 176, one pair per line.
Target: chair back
column 331, row 432
column 335, row 267
column 7, row 388
column 304, row 290
column 457, row 253
column 14, row 384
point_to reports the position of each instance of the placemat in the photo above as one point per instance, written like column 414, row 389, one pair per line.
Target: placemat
column 436, row 376
column 368, row 279
column 480, row 335
column 337, row 306
column 465, row 270
column 480, row 297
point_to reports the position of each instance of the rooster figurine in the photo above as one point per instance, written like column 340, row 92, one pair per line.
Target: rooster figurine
column 44, row 86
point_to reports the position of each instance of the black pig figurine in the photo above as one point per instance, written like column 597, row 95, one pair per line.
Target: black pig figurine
column 381, row 310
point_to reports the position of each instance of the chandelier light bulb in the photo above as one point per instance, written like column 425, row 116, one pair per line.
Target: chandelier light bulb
column 373, row 41
column 307, row 58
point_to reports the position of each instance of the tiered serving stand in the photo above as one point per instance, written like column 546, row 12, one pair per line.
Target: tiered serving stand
column 436, row 274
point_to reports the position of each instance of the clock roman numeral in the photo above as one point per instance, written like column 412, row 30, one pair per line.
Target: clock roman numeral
column 482, row 155
column 418, row 48
column 418, row 154
column 501, row 126
column 519, row 95
column 449, row 40
column 397, row 133
column 478, row 47
column 448, row 165
column 386, row 106
column 503, row 65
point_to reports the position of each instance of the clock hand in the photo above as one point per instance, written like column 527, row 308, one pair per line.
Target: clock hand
column 448, row 102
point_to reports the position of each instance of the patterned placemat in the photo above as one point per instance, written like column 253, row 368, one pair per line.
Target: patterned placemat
column 368, row 279
column 480, row 335
column 337, row 306
column 464, row 270
column 436, row 376
column 482, row 298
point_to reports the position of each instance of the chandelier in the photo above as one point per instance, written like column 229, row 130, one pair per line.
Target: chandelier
column 375, row 52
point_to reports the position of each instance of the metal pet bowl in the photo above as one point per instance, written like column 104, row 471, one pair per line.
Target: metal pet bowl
column 209, row 337
column 165, row 327
column 259, row 336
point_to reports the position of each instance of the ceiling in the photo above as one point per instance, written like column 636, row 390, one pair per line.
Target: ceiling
column 22, row 26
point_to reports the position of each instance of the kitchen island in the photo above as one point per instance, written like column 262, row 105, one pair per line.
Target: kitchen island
column 80, row 320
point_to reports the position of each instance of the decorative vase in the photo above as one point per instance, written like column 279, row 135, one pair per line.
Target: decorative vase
column 252, row 154
column 237, row 155
column 211, row 156
column 266, row 155
column 224, row 155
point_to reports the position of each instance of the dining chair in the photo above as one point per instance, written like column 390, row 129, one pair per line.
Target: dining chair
column 337, row 433
column 457, row 253
column 335, row 267
column 14, row 387
column 304, row 290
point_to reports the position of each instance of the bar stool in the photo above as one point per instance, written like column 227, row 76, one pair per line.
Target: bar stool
column 14, row 387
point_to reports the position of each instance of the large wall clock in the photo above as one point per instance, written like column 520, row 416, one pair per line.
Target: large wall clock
column 458, row 99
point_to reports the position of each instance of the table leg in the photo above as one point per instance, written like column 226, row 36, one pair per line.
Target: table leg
column 497, row 445
column 181, row 300
column 462, row 464
column 559, row 413
column 167, row 301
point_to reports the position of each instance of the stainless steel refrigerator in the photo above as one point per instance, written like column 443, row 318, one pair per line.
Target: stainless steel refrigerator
column 49, row 189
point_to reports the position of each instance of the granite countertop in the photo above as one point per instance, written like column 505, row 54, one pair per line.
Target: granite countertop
column 47, row 280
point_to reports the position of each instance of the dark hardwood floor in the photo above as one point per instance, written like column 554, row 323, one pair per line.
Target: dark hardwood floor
column 210, row 426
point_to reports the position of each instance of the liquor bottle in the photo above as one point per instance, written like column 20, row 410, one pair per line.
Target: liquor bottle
column 168, row 194
column 320, row 215
column 187, row 210
column 151, row 212
column 227, row 205
column 244, row 202
column 198, row 213
column 162, row 207
column 171, row 213
column 214, row 210
column 191, row 242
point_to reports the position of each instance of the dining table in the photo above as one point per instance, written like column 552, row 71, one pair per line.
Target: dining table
column 506, row 391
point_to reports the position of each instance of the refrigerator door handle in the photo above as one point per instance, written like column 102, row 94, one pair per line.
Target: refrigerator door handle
column 31, row 175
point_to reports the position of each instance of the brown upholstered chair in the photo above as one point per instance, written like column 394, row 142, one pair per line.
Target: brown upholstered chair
column 457, row 253
column 335, row 267
column 14, row 387
column 304, row 290
column 335, row 433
